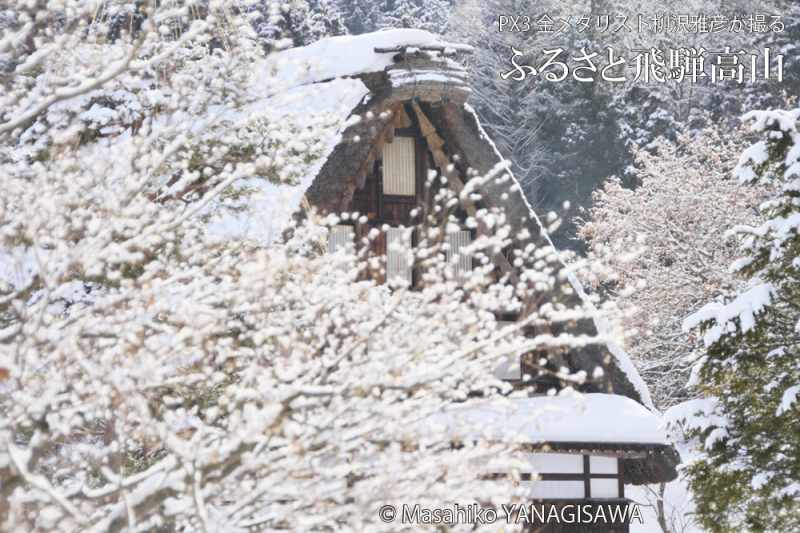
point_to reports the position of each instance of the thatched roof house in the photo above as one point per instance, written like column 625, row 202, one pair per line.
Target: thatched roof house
column 410, row 95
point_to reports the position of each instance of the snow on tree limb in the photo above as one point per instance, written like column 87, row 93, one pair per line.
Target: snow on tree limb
column 153, row 375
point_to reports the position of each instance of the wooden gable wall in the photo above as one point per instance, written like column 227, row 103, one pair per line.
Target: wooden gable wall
column 448, row 135
column 395, row 210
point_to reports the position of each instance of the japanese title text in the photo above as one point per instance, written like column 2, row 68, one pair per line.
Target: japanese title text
column 646, row 65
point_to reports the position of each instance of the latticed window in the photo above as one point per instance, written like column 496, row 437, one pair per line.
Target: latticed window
column 565, row 476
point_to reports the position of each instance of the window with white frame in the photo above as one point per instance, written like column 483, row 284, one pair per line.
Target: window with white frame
column 564, row 476
column 399, row 167
column 604, row 487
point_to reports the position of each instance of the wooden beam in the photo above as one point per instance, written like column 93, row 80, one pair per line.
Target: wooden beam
column 436, row 145
column 401, row 118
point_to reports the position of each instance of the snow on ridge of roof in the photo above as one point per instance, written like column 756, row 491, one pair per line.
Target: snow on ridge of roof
column 589, row 418
column 345, row 55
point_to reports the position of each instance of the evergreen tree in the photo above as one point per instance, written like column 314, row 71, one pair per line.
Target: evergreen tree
column 747, row 476
column 509, row 108
column 558, row 135
column 787, row 43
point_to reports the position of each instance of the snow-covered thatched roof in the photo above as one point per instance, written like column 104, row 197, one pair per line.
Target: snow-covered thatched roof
column 343, row 93
column 321, row 90
column 354, row 86
column 315, row 116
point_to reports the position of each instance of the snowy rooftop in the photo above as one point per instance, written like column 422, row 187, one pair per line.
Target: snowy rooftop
column 314, row 116
column 348, row 55
column 590, row 418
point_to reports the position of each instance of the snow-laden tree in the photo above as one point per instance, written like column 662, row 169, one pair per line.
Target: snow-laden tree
column 364, row 16
column 360, row 16
column 430, row 15
column 662, row 241
column 298, row 22
column 747, row 472
column 156, row 377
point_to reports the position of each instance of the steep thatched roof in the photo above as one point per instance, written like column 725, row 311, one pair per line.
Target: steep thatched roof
column 437, row 90
column 398, row 72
